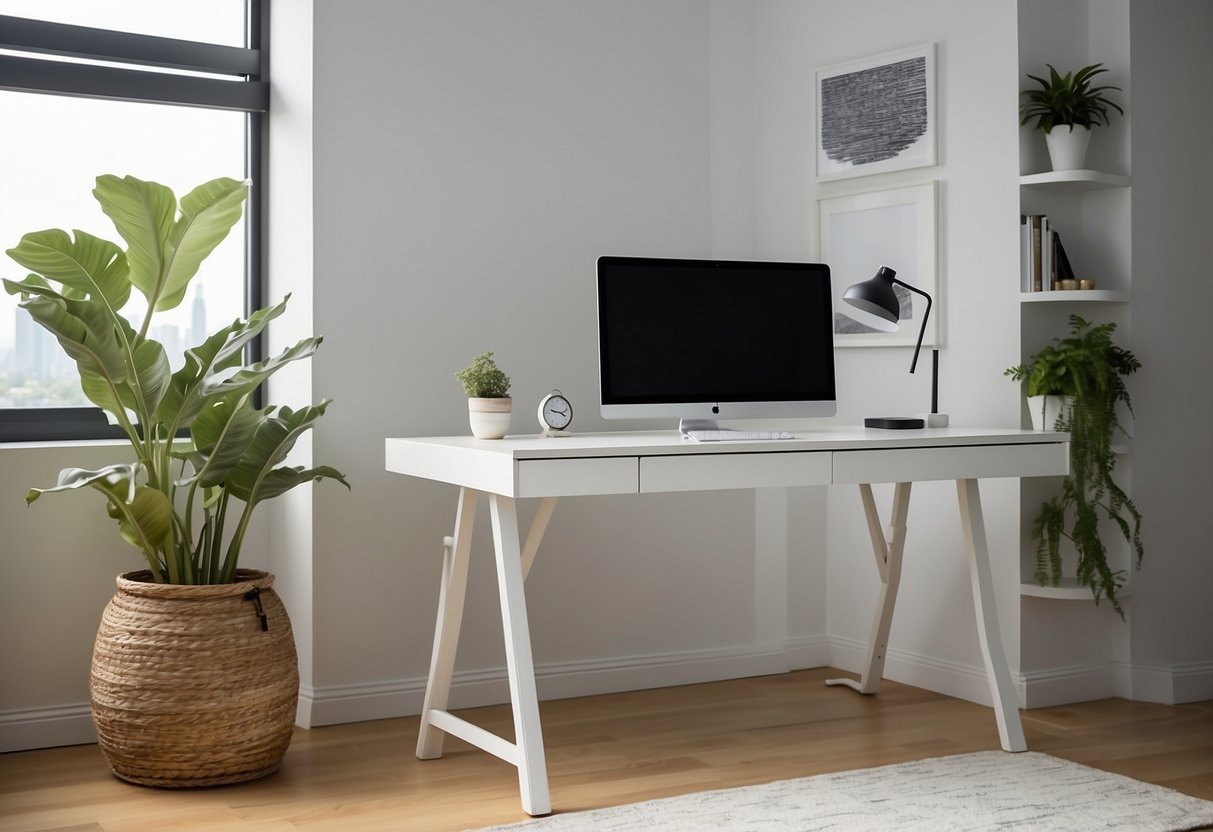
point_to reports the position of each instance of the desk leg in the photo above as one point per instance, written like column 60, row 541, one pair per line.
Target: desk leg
column 1006, row 704
column 446, row 630
column 888, row 554
column 528, row 735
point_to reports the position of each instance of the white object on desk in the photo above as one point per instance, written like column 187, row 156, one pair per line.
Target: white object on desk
column 653, row 462
column 736, row 435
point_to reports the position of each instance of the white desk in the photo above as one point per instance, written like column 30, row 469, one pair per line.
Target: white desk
column 648, row 462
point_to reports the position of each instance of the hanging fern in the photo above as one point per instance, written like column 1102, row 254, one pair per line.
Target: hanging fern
column 1091, row 369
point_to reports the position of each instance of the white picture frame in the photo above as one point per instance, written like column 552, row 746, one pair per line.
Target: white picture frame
column 896, row 227
column 876, row 114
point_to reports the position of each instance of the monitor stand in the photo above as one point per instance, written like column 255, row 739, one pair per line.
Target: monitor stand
column 685, row 425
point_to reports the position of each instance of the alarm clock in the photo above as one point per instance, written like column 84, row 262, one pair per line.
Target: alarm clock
column 555, row 414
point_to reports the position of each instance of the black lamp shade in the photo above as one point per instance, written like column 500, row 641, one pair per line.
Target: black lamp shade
column 874, row 302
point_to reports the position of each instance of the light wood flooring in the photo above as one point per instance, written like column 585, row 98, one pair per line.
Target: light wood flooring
column 602, row 750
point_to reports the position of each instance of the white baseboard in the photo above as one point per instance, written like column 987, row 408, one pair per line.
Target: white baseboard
column 949, row 678
column 558, row 680
column 28, row 728
column 1065, row 685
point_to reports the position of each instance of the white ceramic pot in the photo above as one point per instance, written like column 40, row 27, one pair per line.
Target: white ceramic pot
column 1045, row 410
column 1068, row 146
column 489, row 418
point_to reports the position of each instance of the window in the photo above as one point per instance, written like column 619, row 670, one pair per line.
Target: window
column 115, row 88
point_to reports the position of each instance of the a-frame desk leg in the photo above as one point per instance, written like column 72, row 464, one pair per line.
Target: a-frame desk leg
column 1006, row 703
column 888, row 553
column 513, row 562
column 528, row 735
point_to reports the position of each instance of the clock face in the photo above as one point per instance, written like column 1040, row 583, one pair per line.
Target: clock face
column 556, row 412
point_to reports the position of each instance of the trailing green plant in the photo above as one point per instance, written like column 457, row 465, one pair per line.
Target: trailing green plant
column 201, row 446
column 1068, row 100
column 482, row 379
column 1090, row 369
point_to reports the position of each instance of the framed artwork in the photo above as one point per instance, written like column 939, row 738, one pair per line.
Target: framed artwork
column 859, row 233
column 877, row 114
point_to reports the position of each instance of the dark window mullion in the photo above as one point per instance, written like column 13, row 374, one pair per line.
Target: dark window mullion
column 64, row 39
column 89, row 81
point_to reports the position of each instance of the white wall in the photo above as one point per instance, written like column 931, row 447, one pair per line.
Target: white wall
column 472, row 161
column 1171, row 616
column 933, row 640
column 445, row 191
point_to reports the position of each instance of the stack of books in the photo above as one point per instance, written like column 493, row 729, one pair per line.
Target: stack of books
column 1043, row 260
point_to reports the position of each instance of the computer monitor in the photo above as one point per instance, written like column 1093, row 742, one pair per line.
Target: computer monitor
column 703, row 340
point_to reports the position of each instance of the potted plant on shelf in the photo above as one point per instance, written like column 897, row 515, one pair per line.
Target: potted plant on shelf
column 1089, row 369
column 1068, row 101
column 194, row 679
column 488, row 391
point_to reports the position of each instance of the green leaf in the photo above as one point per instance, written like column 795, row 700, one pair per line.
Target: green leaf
column 281, row 480
column 146, row 520
column 143, row 214
column 222, row 433
column 275, row 437
column 207, row 215
column 165, row 254
column 118, row 481
column 88, row 264
column 248, row 379
column 89, row 333
column 222, row 351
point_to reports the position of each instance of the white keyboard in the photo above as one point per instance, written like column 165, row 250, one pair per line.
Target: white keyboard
column 736, row 435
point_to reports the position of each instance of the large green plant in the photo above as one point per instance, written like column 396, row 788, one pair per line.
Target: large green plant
column 1067, row 100
column 171, row 502
column 1089, row 368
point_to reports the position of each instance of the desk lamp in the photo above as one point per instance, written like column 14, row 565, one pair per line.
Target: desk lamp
column 875, row 303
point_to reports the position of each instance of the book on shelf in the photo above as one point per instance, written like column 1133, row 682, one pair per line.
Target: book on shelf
column 1043, row 259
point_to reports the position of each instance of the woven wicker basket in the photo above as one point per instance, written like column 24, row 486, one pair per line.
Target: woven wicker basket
column 187, row 687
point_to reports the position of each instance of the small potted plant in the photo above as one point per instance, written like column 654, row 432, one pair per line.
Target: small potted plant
column 1068, row 101
column 1088, row 368
column 488, row 391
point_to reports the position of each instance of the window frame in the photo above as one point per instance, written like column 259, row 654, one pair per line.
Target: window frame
column 243, row 86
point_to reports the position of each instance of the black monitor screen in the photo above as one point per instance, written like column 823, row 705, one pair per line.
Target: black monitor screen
column 704, row 331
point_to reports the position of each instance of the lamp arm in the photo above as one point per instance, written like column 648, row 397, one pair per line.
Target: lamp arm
column 922, row 331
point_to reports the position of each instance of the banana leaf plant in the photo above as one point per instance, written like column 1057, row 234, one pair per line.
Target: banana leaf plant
column 202, row 447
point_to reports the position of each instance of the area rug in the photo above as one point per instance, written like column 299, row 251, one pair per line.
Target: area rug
column 989, row 790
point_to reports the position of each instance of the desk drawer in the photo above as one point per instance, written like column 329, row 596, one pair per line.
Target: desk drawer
column 710, row 472
column 952, row 463
column 576, row 477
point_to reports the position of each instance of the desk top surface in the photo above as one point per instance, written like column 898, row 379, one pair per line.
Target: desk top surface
column 670, row 442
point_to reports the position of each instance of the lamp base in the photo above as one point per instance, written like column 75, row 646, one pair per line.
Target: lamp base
column 935, row 420
column 893, row 422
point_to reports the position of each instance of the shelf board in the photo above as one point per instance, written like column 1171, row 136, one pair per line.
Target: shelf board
column 1075, row 295
column 1073, row 181
column 1069, row 590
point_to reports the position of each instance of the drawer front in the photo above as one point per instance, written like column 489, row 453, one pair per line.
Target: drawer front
column 918, row 464
column 710, row 472
column 577, row 477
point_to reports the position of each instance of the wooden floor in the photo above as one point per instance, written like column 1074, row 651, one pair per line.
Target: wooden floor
column 602, row 751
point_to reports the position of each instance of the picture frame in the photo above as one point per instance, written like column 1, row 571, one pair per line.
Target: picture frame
column 876, row 114
column 896, row 227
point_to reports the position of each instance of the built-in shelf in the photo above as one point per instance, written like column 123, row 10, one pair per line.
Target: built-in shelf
column 1075, row 295
column 1069, row 590
column 1074, row 181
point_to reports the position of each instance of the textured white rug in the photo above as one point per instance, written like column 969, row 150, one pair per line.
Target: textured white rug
column 990, row 790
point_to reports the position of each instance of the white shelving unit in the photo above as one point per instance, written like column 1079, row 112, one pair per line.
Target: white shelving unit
column 1076, row 296
column 1068, row 590
column 1074, row 181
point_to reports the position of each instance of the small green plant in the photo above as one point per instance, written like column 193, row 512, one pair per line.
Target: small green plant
column 483, row 379
column 1067, row 100
column 1090, row 369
